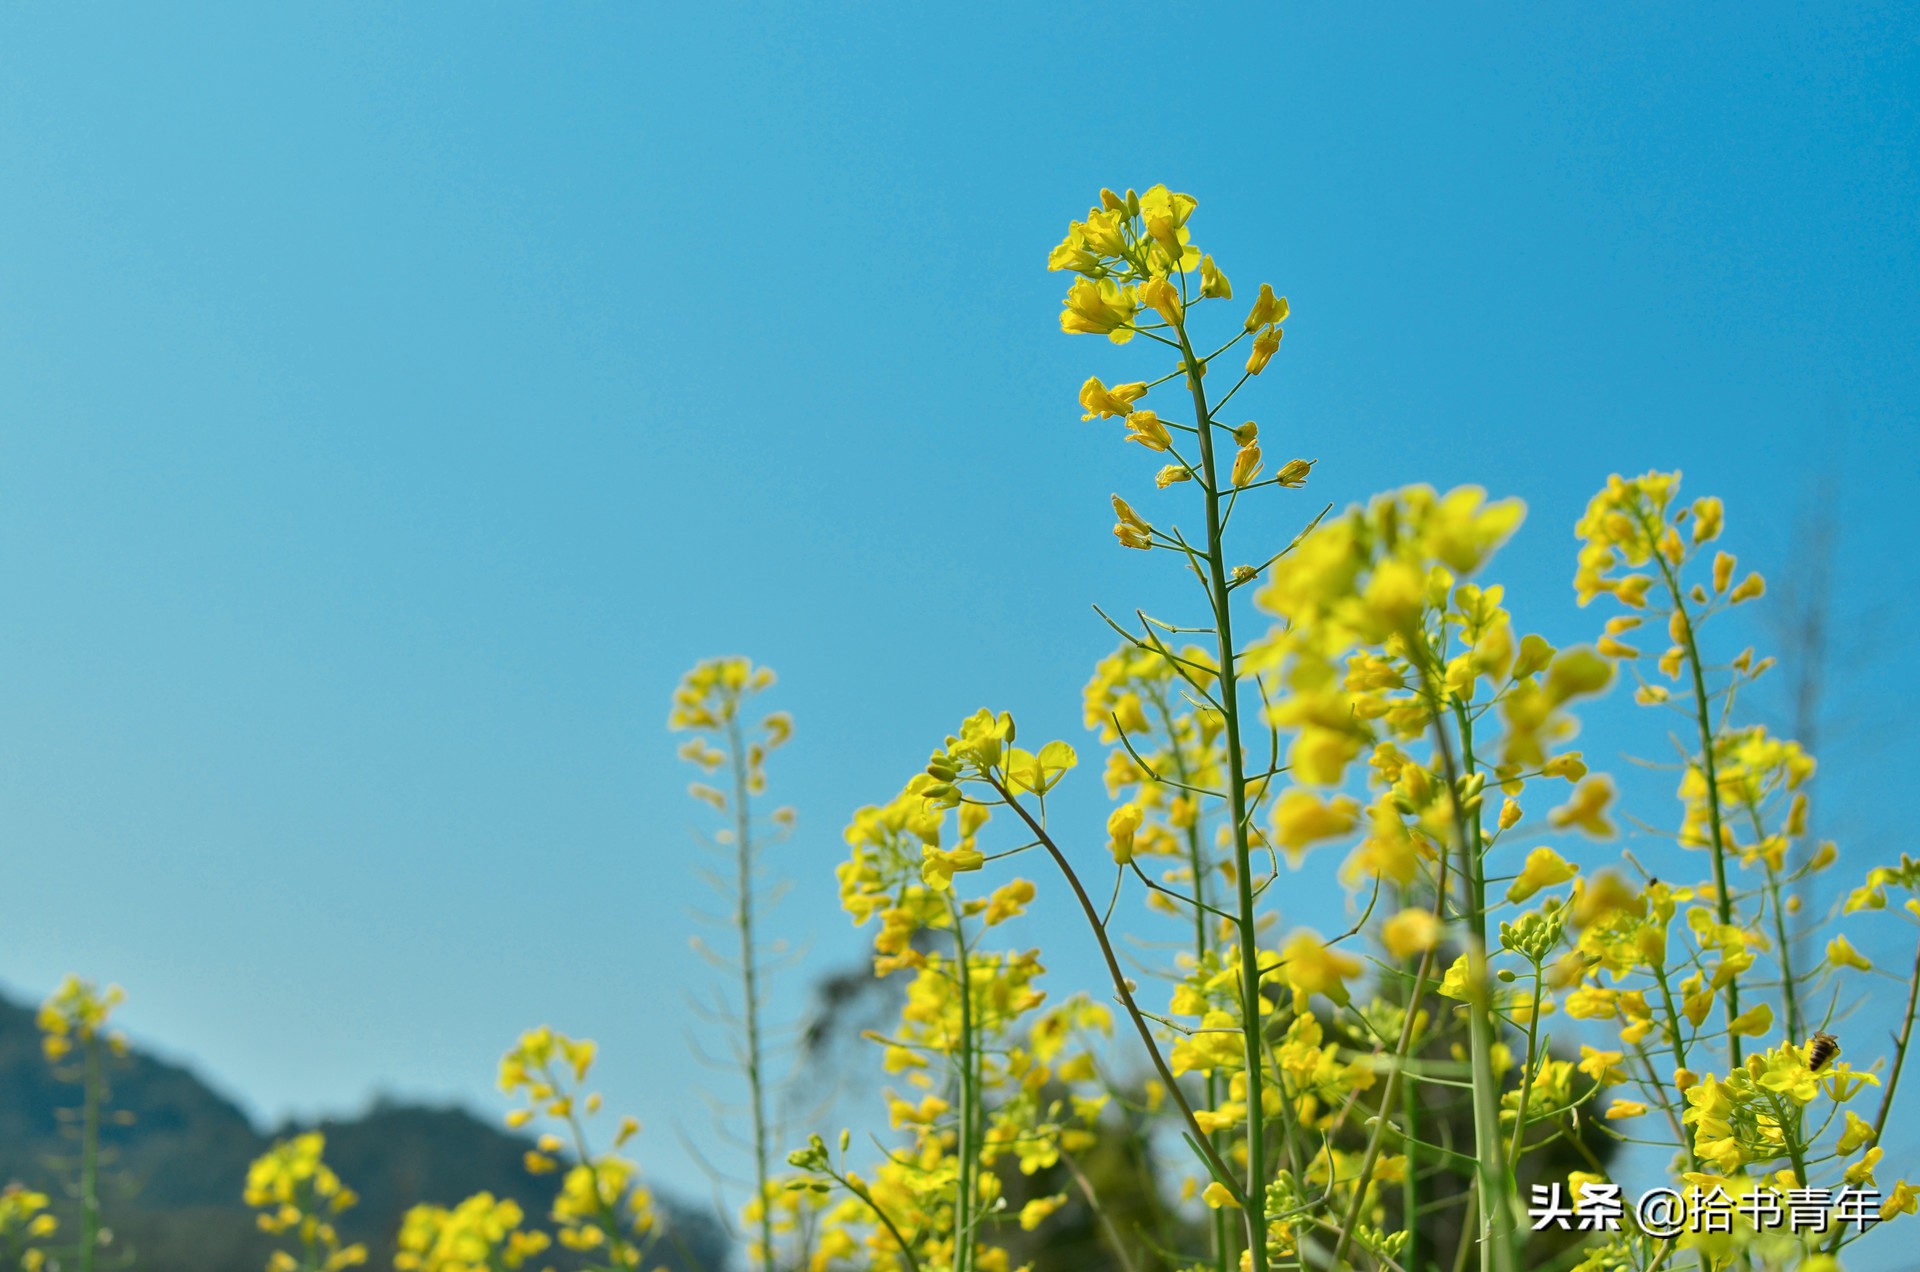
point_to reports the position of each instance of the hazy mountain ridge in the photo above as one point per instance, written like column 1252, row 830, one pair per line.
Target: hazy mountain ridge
column 177, row 1164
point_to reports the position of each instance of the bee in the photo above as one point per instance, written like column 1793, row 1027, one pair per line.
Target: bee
column 1821, row 1048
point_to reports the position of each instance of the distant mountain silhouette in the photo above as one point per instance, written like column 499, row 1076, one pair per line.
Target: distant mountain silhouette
column 178, row 1160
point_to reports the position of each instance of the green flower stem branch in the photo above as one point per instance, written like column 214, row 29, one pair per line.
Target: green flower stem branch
column 1709, row 767
column 1247, row 930
column 1123, row 990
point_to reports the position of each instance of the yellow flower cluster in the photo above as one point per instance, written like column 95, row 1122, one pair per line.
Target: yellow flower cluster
column 1123, row 253
column 25, row 1223
column 602, row 1207
column 708, row 703
column 298, row 1194
column 1134, row 255
column 75, row 1015
column 1140, row 700
column 985, row 1060
column 480, row 1234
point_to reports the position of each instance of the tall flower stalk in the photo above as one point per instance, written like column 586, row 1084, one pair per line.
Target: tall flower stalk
column 986, row 1061
column 1379, row 640
column 604, row 1211
column 76, row 1039
column 709, row 703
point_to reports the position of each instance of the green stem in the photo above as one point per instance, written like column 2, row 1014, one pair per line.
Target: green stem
column 886, row 1220
column 1107, row 1228
column 1723, row 899
column 1526, row 1074
column 1780, row 936
column 1657, row 1089
column 617, row 1243
column 1788, row 991
column 750, row 976
column 1792, row 1129
column 1410, row 1177
column 1679, row 1058
column 1469, row 1220
column 1249, row 937
column 1899, row 1052
column 1219, row 1222
column 1123, row 990
column 1496, row 1210
column 90, row 1160
column 1386, row 1098
column 1673, row 1018
column 967, row 1150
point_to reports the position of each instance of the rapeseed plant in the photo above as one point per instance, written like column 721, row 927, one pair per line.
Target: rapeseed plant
column 1391, row 704
column 26, row 1221
column 708, row 703
column 990, row 1069
column 1392, row 666
column 604, row 1211
column 1364, row 688
column 76, row 1040
column 299, row 1197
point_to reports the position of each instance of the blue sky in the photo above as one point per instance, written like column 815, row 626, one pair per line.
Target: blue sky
column 394, row 401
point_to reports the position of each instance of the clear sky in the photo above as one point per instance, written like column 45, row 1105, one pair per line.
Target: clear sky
column 394, row 400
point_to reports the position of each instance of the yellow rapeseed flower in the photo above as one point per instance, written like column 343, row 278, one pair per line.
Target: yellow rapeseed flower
column 1214, row 284
column 1267, row 309
column 1587, row 809
column 1165, row 301
column 1414, row 930
column 1301, row 818
column 1122, row 823
column 1102, row 402
column 1265, row 345
column 1545, row 868
column 1102, row 308
column 1246, row 465
column 1145, row 428
column 1313, row 967
column 1840, row 953
column 1131, row 529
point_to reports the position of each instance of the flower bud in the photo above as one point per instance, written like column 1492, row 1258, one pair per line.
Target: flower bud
column 1265, row 345
column 1246, row 465
column 1121, row 825
column 1267, row 308
column 1212, row 282
column 1651, row 945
